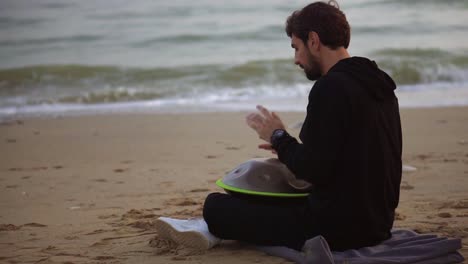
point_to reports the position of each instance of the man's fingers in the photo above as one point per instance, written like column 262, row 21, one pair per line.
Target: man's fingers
column 255, row 118
column 275, row 116
column 249, row 116
column 265, row 146
column 264, row 111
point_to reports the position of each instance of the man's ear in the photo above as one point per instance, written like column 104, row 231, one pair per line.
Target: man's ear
column 313, row 41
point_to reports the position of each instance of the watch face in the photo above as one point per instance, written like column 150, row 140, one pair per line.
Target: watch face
column 279, row 133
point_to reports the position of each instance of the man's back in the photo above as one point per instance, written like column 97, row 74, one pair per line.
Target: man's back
column 352, row 136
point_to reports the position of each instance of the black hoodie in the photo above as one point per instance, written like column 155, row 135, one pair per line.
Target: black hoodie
column 351, row 151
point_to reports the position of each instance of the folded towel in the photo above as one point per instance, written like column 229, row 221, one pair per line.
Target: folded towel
column 405, row 247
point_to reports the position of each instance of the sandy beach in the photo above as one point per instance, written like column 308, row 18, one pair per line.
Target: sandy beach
column 87, row 189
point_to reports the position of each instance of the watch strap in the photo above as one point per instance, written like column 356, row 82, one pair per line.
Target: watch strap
column 276, row 137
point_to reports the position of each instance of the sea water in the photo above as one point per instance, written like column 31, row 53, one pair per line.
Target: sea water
column 92, row 56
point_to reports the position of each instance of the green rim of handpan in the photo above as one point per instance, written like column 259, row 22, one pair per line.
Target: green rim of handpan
column 221, row 184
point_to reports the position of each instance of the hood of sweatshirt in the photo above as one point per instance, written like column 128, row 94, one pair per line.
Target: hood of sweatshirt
column 366, row 72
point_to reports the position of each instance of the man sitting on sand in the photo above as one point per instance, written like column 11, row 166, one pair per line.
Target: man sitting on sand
column 350, row 152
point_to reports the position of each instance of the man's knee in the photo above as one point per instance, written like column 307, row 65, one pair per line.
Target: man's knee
column 211, row 212
column 211, row 206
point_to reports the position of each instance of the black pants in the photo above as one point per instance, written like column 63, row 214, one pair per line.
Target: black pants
column 258, row 220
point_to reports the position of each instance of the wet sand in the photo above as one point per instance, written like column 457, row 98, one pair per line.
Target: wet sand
column 87, row 189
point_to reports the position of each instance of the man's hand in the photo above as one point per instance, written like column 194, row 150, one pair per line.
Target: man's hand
column 267, row 147
column 264, row 123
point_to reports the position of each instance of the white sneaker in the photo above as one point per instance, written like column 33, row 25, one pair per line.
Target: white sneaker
column 192, row 233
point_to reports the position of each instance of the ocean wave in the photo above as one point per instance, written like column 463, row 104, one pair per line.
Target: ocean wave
column 413, row 66
column 256, row 72
column 111, row 15
column 294, row 98
column 15, row 21
column 433, row 2
column 98, row 84
column 449, row 3
column 102, row 84
column 270, row 32
column 34, row 42
column 410, row 29
column 56, row 5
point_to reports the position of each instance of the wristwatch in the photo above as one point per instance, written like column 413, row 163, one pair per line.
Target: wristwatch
column 277, row 134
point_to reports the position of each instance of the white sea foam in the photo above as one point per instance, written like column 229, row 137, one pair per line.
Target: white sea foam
column 232, row 100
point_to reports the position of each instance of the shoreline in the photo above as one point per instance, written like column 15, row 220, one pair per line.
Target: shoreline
column 445, row 96
column 44, row 113
column 87, row 188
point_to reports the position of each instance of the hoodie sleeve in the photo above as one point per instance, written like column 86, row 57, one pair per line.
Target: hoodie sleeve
column 323, row 134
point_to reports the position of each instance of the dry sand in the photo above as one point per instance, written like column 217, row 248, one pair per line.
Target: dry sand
column 87, row 189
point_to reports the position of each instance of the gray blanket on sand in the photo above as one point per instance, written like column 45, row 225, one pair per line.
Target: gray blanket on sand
column 405, row 246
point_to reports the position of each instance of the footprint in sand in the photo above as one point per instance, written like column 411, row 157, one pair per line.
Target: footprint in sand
column 199, row 190
column 399, row 216
column 49, row 248
column 449, row 160
column 30, row 169
column 34, row 225
column 138, row 214
column 178, row 258
column 140, row 219
column 143, row 224
column 460, row 205
column 99, row 243
column 120, row 170
column 233, row 148
column 98, row 231
column 11, row 122
column 39, row 168
column 211, row 157
column 99, row 180
column 166, row 184
column 9, row 227
column 444, row 215
column 182, row 202
column 104, row 258
column 423, row 156
column 108, row 216
column 185, row 213
column 10, row 140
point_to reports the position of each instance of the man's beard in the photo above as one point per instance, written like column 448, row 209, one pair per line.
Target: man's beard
column 312, row 69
